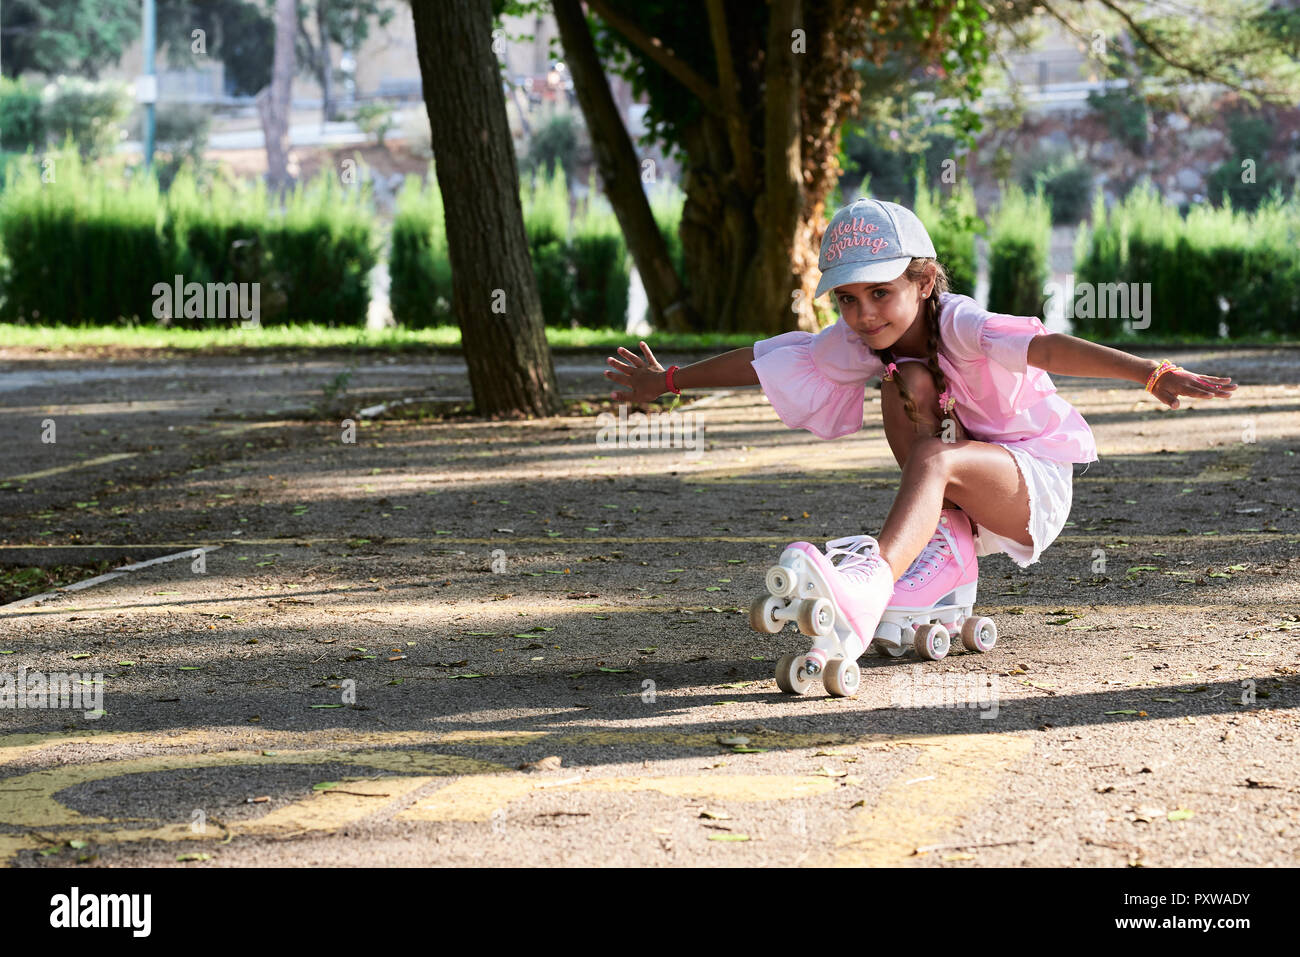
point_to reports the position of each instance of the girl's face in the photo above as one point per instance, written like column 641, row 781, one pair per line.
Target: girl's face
column 882, row 312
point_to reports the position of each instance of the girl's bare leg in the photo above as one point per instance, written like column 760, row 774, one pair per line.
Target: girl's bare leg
column 980, row 478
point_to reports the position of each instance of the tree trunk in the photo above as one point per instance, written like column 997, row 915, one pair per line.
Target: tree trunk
column 494, row 291
column 323, row 67
column 273, row 102
column 617, row 160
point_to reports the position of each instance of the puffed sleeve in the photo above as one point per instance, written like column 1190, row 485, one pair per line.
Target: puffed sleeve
column 816, row 381
column 1003, row 338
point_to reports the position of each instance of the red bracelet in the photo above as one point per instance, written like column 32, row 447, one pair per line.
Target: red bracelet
column 669, row 379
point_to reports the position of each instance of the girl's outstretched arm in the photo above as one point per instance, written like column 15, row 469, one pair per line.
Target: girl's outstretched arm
column 645, row 380
column 1068, row 355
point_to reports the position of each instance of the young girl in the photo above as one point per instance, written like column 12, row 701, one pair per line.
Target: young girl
column 985, row 443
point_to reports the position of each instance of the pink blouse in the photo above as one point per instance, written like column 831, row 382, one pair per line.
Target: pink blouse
column 818, row 381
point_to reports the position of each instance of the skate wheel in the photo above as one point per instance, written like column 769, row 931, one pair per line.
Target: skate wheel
column 790, row 676
column 889, row 651
column 762, row 616
column 816, row 617
column 842, row 678
column 979, row 634
column 781, row 581
column 932, row 641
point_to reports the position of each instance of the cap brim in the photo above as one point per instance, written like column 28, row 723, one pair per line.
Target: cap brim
column 847, row 273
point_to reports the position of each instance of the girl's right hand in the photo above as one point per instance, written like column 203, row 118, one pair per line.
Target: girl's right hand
column 644, row 379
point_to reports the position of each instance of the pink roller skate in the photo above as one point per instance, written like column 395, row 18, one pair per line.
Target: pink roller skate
column 935, row 597
column 836, row 605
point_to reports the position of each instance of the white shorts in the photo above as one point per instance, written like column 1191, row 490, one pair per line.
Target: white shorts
column 1051, row 492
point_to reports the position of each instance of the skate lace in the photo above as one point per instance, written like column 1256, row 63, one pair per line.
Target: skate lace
column 857, row 554
column 942, row 545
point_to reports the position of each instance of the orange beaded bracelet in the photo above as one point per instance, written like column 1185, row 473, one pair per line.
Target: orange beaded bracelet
column 1165, row 366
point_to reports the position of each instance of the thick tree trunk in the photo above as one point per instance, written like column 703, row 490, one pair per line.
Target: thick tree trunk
column 619, row 168
column 494, row 291
column 273, row 102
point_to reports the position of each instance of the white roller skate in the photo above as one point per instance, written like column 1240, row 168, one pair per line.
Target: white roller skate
column 936, row 597
column 837, row 606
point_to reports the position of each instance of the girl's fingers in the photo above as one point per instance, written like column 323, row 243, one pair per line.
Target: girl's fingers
column 631, row 357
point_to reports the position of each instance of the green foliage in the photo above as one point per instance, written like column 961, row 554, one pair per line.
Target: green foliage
column 22, row 122
column 90, row 113
column 1065, row 182
column 1125, row 114
column 181, row 134
column 1020, row 232
column 953, row 223
column 238, row 33
column 90, row 246
column 1213, row 258
column 600, row 265
column 375, row 119
column 666, row 204
column 581, row 265
column 82, row 248
column 418, row 264
column 1251, row 136
column 67, row 36
column 555, row 144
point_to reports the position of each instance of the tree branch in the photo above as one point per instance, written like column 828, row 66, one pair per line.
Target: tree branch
column 653, row 47
column 729, row 89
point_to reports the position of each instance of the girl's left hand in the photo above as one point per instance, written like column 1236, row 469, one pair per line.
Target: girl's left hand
column 1178, row 382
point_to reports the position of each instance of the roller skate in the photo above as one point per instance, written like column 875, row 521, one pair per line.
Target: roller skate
column 935, row 597
column 837, row 606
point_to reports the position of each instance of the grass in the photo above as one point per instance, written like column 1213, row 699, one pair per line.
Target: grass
column 317, row 336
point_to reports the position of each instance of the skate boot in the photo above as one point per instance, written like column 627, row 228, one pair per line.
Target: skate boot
column 936, row 595
column 837, row 605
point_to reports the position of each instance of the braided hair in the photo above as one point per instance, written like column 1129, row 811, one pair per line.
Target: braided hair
column 916, row 271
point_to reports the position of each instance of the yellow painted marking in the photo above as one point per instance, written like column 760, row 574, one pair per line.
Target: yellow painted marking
column 476, row 799
column 963, row 773
column 88, row 463
column 324, row 811
column 27, row 800
column 119, row 456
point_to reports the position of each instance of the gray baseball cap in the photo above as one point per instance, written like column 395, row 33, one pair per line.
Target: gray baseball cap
column 870, row 241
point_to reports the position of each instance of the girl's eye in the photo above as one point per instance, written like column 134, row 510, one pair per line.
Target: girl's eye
column 881, row 293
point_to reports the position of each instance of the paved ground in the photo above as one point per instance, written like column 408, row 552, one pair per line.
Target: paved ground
column 391, row 628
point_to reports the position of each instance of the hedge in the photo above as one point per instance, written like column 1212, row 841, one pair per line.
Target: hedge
column 91, row 247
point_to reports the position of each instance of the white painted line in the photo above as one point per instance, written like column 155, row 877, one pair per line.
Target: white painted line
column 109, row 576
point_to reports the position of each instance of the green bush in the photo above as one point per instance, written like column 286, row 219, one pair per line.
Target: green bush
column 1020, row 232
column 22, row 122
column 1247, row 260
column 666, row 203
column 91, row 114
column 600, row 263
column 90, row 247
column 1065, row 182
column 546, row 223
column 553, row 146
column 1125, row 114
column 80, row 249
column 953, row 223
column 418, row 264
